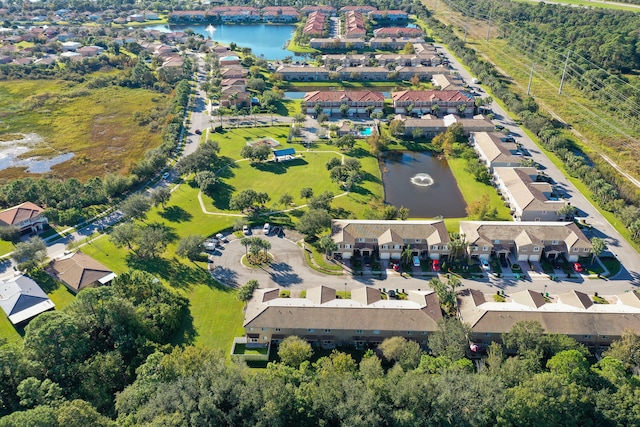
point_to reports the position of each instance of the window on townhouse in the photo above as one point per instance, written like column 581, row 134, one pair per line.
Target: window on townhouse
column 485, row 248
column 310, row 330
column 409, row 332
column 434, row 247
column 525, row 249
column 576, row 249
column 586, row 337
column 327, row 331
column 544, row 212
column 474, row 248
column 396, row 246
column 418, row 240
column 444, row 247
column 554, row 242
column 361, row 239
column 385, row 246
column 278, row 329
column 496, row 242
column 586, row 250
column 347, row 246
column 376, row 332
column 358, row 331
column 536, row 249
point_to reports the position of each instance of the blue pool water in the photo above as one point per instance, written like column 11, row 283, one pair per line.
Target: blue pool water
column 366, row 131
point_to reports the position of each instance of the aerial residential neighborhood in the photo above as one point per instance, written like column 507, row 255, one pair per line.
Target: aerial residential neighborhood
column 302, row 214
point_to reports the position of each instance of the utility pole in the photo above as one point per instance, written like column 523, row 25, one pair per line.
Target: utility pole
column 530, row 79
column 489, row 27
column 564, row 72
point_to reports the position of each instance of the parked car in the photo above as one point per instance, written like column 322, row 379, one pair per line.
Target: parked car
column 392, row 294
column 198, row 132
column 396, row 267
column 436, row 265
column 246, row 230
column 485, row 264
column 222, row 238
column 165, row 175
column 266, row 228
column 578, row 267
column 416, row 261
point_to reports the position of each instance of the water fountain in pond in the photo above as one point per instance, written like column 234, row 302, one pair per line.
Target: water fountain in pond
column 422, row 180
column 210, row 29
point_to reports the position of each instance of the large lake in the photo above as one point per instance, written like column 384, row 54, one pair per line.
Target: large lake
column 263, row 39
column 423, row 183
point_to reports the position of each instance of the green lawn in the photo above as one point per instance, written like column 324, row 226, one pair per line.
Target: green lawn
column 215, row 314
column 5, row 247
column 472, row 190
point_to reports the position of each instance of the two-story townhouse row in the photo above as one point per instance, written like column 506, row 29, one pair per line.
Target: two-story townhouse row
column 360, row 9
column 336, row 43
column 392, row 42
column 27, row 217
column 305, row 73
column 327, row 10
column 423, row 101
column 572, row 313
column 429, row 126
column 398, row 32
column 408, row 60
column 346, row 60
column 354, row 27
column 332, row 102
column 280, row 14
column 188, row 15
column 389, row 15
column 529, row 200
column 389, row 238
column 494, row 150
column 323, row 320
column 315, row 25
column 525, row 241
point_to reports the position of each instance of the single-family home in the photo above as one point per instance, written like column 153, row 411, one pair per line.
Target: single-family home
column 494, row 150
column 22, row 299
column 530, row 199
column 79, row 271
column 389, row 238
column 571, row 313
column 331, row 102
column 425, row 102
column 525, row 241
column 324, row 320
column 26, row 216
column 70, row 46
column 90, row 51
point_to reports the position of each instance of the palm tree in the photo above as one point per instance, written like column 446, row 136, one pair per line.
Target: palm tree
column 434, row 109
column 406, row 256
column 246, row 242
column 271, row 109
column 234, row 97
column 265, row 246
column 457, row 244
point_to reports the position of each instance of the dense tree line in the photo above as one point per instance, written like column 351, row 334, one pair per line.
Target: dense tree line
column 543, row 380
column 91, row 349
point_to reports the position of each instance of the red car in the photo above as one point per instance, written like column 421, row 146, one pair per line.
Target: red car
column 436, row 265
column 577, row 267
column 396, row 267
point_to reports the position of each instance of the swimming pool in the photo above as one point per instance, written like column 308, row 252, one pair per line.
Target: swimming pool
column 366, row 131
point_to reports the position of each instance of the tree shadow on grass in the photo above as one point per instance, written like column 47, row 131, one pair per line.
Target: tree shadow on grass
column 368, row 176
column 174, row 271
column 175, row 214
column 46, row 282
column 222, row 195
column 358, row 153
column 279, row 167
column 187, row 333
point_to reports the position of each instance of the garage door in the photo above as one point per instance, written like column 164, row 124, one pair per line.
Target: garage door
column 396, row 255
column 523, row 257
column 384, row 255
column 535, row 258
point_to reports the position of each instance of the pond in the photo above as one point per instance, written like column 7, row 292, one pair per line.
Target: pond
column 423, row 183
column 13, row 153
column 263, row 39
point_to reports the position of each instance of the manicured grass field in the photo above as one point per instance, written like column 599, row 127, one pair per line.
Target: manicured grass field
column 5, row 247
column 98, row 125
column 215, row 314
column 472, row 190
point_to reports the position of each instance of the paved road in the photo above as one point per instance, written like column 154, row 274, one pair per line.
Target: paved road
column 290, row 271
column 602, row 228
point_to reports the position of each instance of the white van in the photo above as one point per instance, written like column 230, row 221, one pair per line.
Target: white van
column 416, row 261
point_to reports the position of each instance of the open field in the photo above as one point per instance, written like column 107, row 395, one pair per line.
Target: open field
column 97, row 125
